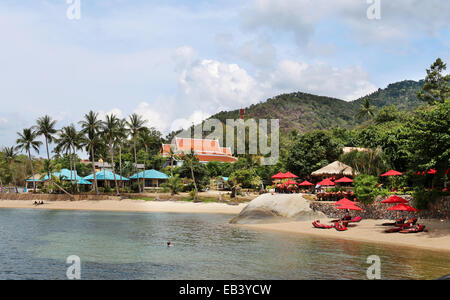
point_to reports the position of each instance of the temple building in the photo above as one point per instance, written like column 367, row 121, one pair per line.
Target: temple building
column 204, row 149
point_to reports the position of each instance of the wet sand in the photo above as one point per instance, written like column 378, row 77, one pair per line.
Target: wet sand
column 437, row 236
column 130, row 206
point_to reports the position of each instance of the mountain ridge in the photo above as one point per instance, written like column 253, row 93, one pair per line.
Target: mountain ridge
column 305, row 112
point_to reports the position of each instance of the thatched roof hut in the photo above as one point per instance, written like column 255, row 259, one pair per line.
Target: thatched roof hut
column 335, row 168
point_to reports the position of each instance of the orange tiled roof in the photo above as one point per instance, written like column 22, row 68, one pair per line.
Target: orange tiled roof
column 206, row 150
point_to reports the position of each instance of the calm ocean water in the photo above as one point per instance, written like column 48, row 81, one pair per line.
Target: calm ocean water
column 34, row 244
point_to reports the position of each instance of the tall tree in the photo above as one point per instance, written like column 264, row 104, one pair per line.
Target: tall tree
column 27, row 142
column 11, row 158
column 121, row 136
column 437, row 85
column 366, row 110
column 111, row 132
column 135, row 125
column 190, row 159
column 91, row 126
column 146, row 140
column 69, row 140
column 172, row 156
column 46, row 127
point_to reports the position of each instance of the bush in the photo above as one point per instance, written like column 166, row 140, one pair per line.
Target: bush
column 366, row 188
column 135, row 187
column 423, row 197
column 174, row 185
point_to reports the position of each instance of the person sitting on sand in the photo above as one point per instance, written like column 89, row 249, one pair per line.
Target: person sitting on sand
column 35, row 203
column 42, row 202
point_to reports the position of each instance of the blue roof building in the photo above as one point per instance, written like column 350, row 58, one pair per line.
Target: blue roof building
column 152, row 178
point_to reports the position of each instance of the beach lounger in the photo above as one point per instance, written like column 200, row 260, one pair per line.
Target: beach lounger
column 414, row 229
column 355, row 220
column 319, row 225
column 398, row 228
column 339, row 227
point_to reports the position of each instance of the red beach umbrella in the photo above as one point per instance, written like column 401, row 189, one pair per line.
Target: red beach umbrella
column 403, row 207
column 278, row 176
column 345, row 201
column 394, row 199
column 290, row 182
column 432, row 171
column 290, row 175
column 306, row 183
column 392, row 173
column 349, row 207
column 326, row 182
column 344, row 180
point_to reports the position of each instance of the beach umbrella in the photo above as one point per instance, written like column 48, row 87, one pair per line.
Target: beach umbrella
column 391, row 173
column 344, row 201
column 394, row 199
column 344, row 180
column 432, row 171
column 326, row 182
column 289, row 182
column 349, row 207
column 403, row 207
column 290, row 175
column 278, row 176
column 306, row 183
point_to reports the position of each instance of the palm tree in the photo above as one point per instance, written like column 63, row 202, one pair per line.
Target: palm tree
column 46, row 126
column 190, row 159
column 69, row 140
column 11, row 158
column 172, row 157
column 26, row 142
column 366, row 109
column 111, row 131
column 135, row 125
column 91, row 126
column 122, row 133
column 146, row 140
column 174, row 184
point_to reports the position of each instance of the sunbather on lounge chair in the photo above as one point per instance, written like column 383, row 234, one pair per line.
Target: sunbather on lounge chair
column 339, row 226
column 414, row 229
column 319, row 225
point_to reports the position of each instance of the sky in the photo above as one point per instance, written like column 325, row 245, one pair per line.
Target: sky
column 178, row 62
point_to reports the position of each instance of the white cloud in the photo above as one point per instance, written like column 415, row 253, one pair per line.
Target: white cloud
column 157, row 116
column 3, row 121
column 211, row 86
column 345, row 83
column 400, row 19
column 115, row 111
column 195, row 118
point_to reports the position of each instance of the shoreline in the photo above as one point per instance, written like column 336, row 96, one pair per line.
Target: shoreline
column 128, row 205
column 369, row 231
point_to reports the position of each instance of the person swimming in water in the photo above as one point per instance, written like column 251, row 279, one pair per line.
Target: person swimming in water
column 169, row 244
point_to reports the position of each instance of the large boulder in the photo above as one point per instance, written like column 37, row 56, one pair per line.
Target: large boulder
column 270, row 208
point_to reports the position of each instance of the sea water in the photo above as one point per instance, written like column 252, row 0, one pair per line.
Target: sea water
column 35, row 244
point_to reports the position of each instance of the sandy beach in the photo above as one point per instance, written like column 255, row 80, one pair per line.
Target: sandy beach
column 437, row 238
column 129, row 205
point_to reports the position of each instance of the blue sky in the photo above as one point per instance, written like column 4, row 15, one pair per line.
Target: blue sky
column 177, row 62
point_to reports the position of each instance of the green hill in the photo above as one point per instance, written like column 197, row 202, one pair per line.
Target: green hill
column 306, row 112
column 403, row 94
